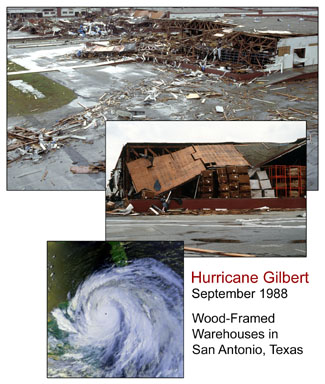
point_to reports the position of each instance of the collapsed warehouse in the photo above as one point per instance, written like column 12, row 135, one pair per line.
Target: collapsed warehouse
column 218, row 47
column 162, row 177
column 222, row 46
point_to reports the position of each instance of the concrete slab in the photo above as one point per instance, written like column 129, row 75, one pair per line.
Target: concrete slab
column 288, row 75
column 52, row 172
column 268, row 234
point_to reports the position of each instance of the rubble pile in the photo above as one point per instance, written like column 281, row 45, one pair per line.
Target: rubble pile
column 153, row 37
column 30, row 144
column 220, row 47
column 92, row 24
column 44, row 27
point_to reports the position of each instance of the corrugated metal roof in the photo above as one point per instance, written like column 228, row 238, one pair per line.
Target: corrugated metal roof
column 258, row 153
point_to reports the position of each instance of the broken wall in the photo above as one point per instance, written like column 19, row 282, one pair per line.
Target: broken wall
column 287, row 47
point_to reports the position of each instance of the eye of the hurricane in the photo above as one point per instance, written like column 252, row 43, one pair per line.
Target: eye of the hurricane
column 103, row 316
column 122, row 322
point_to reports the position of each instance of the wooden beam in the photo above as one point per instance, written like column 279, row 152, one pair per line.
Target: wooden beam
column 135, row 153
column 220, row 253
column 152, row 152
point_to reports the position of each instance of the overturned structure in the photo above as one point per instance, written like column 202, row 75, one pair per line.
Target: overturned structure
column 211, row 175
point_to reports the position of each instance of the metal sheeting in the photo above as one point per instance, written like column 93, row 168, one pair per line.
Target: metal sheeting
column 220, row 155
column 170, row 170
column 259, row 153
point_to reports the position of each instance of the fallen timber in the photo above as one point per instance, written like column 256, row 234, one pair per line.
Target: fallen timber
column 219, row 253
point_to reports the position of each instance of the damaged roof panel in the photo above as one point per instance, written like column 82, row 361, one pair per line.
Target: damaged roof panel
column 166, row 172
column 169, row 171
column 221, row 155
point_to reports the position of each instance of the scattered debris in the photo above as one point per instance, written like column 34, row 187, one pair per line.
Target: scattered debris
column 44, row 175
column 154, row 211
column 110, row 206
column 28, row 143
column 124, row 212
column 207, row 46
column 124, row 114
column 91, row 168
column 193, row 96
column 265, row 208
column 214, row 61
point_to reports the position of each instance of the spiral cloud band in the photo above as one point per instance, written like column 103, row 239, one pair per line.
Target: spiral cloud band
column 122, row 322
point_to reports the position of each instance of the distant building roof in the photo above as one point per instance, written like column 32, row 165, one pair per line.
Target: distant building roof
column 295, row 25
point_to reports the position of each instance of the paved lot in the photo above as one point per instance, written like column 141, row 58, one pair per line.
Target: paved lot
column 27, row 175
column 264, row 234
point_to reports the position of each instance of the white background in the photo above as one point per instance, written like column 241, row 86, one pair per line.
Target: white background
column 30, row 219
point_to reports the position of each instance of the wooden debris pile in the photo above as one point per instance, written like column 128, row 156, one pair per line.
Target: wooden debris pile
column 60, row 27
column 31, row 144
column 233, row 182
column 203, row 43
column 44, row 27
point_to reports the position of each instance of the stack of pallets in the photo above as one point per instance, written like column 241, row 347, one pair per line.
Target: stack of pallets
column 296, row 176
column 244, row 184
column 233, row 182
column 223, row 183
column 206, row 184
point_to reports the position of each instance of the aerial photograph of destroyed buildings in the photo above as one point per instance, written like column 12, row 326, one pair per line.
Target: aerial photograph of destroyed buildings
column 71, row 69
column 225, row 188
